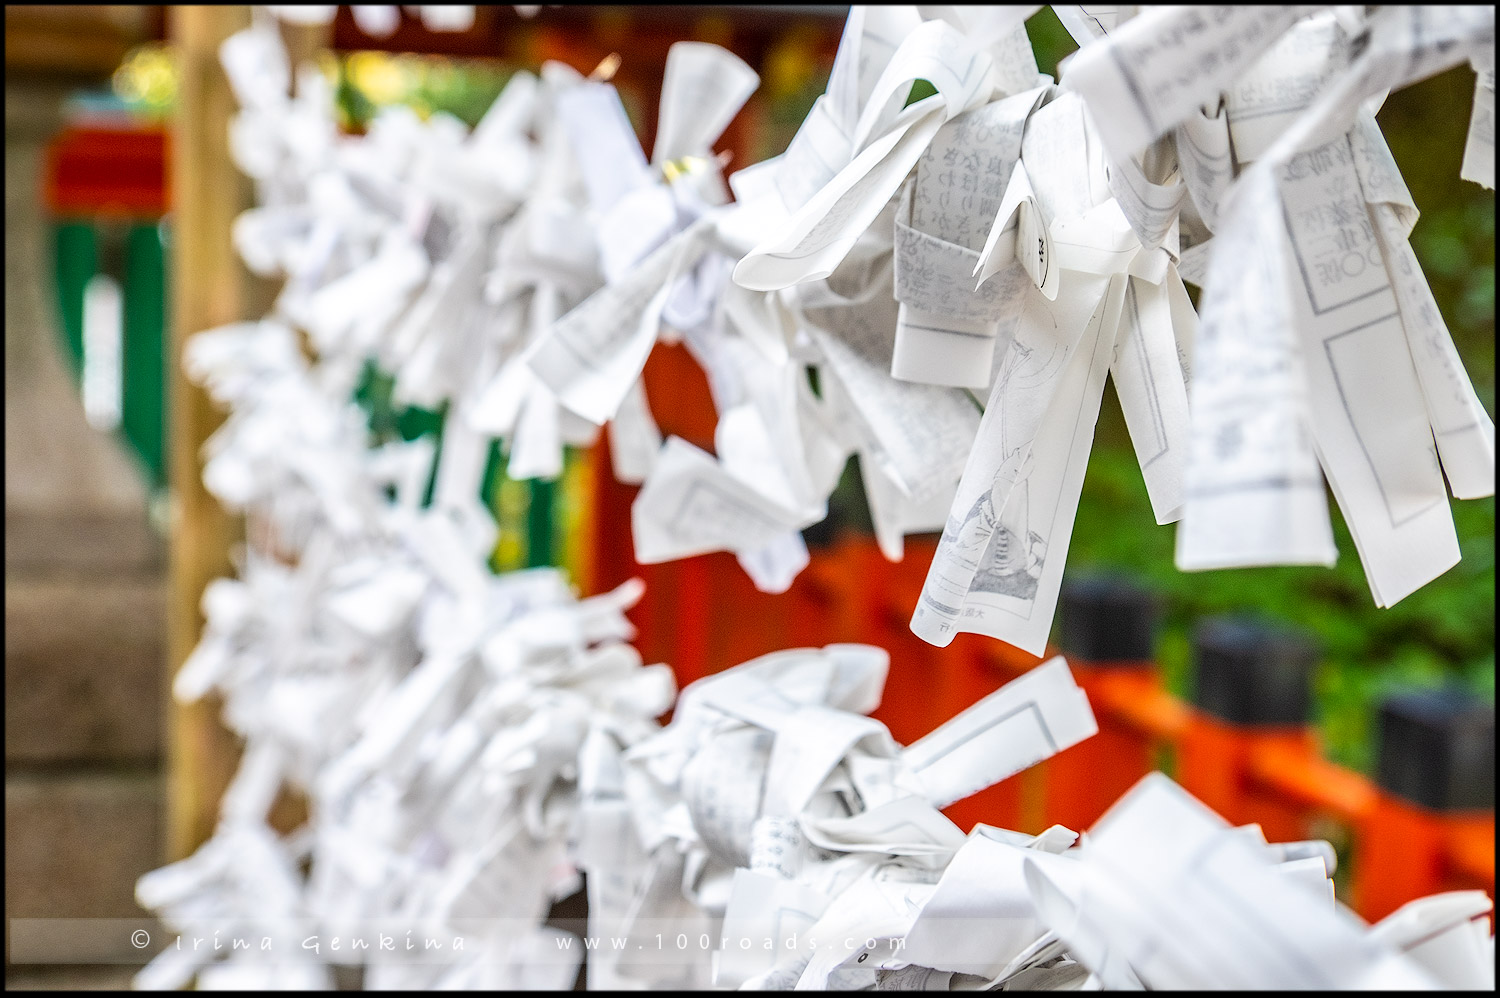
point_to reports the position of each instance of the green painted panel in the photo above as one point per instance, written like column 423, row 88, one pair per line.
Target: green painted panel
column 76, row 260
column 143, row 354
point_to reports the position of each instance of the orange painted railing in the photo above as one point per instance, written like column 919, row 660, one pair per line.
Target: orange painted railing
column 1427, row 824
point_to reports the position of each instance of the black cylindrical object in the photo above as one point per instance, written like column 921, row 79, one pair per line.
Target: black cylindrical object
column 1437, row 749
column 1107, row 620
column 1252, row 672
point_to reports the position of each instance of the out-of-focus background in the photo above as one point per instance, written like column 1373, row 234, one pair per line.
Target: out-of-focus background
column 90, row 102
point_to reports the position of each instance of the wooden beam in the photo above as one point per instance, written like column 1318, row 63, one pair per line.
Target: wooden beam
column 500, row 32
column 209, row 288
column 81, row 40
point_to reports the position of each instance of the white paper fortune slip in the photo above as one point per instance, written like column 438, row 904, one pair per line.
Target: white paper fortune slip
column 821, row 233
column 946, row 328
column 1182, row 900
column 1012, row 729
column 1265, row 416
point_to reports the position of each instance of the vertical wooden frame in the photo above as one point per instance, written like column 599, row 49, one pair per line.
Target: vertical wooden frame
column 207, row 284
column 209, row 287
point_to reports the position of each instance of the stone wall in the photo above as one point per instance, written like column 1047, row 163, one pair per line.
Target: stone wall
column 84, row 602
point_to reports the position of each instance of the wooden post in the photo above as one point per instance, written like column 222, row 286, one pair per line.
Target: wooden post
column 208, row 288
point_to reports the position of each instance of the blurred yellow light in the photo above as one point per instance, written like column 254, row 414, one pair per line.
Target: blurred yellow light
column 147, row 76
column 379, row 76
column 673, row 169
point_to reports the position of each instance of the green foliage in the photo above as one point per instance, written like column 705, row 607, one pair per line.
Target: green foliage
column 1049, row 40
column 355, row 109
column 364, row 82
